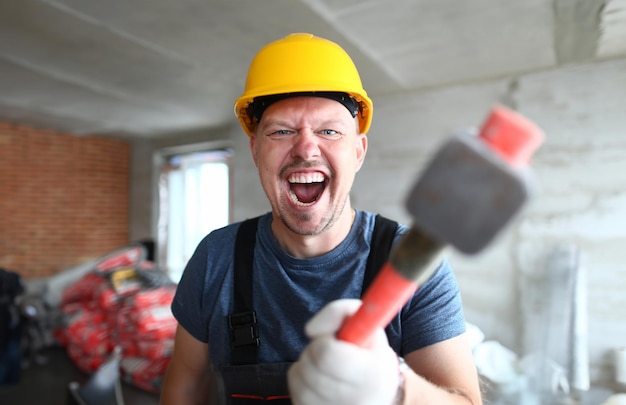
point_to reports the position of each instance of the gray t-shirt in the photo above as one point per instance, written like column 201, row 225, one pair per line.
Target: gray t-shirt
column 288, row 291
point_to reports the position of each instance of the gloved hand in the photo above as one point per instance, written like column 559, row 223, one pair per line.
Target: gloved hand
column 331, row 371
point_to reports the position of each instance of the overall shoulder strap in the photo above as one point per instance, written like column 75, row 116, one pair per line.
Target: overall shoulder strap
column 244, row 255
column 243, row 322
column 382, row 240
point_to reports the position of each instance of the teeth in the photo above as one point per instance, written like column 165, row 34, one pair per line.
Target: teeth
column 305, row 178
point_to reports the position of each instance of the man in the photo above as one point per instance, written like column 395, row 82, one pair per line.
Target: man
column 307, row 115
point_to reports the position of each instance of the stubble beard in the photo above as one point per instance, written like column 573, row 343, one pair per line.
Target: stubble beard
column 305, row 219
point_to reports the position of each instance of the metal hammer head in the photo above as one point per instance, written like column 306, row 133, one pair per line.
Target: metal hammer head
column 474, row 185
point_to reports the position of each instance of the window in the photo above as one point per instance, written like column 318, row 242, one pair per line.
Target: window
column 194, row 199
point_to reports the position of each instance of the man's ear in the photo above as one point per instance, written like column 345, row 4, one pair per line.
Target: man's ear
column 252, row 148
column 361, row 150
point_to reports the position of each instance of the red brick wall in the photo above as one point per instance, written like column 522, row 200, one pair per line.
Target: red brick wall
column 63, row 199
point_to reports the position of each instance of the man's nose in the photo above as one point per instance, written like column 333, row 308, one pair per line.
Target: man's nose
column 305, row 145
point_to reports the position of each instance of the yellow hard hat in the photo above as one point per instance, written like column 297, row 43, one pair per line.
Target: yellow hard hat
column 303, row 64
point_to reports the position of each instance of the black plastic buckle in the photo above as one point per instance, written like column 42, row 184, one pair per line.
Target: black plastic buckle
column 245, row 331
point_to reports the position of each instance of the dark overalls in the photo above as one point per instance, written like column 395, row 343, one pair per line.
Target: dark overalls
column 245, row 381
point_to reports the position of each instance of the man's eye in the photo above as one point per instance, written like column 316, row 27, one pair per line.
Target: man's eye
column 280, row 132
column 329, row 132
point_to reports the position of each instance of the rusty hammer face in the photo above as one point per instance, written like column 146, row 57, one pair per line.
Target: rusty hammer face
column 468, row 192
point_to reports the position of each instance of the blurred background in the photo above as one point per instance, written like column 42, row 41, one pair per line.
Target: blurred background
column 117, row 126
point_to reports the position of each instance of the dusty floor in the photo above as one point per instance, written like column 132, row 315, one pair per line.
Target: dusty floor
column 46, row 384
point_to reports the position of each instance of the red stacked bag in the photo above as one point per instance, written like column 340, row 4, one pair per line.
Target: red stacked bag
column 146, row 334
column 88, row 336
column 121, row 304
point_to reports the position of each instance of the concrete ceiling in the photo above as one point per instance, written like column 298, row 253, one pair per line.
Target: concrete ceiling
column 149, row 68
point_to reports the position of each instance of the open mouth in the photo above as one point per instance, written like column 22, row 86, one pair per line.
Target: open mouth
column 306, row 188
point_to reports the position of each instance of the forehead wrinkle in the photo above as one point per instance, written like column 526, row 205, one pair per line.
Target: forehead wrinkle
column 300, row 117
column 305, row 107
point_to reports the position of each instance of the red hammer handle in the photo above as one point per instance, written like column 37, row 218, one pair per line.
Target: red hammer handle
column 382, row 301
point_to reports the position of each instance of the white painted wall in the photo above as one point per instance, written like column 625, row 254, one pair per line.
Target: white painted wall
column 580, row 199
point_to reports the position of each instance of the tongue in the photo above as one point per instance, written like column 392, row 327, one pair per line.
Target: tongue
column 307, row 193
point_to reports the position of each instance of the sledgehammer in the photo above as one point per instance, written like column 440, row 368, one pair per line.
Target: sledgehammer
column 467, row 193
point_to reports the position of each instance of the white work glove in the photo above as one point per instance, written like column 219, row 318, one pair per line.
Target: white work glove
column 331, row 371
